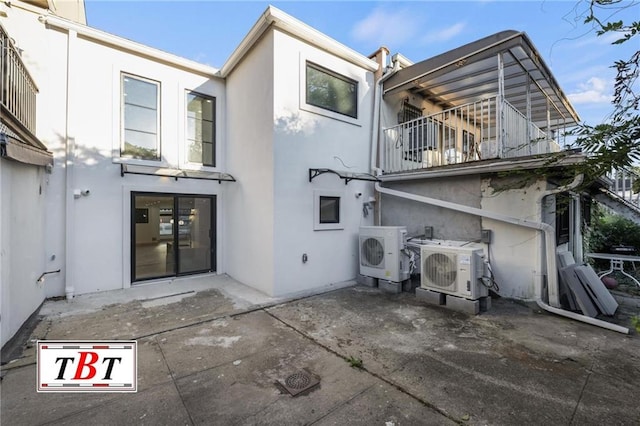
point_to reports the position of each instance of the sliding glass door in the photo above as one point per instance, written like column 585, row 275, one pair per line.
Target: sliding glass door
column 171, row 235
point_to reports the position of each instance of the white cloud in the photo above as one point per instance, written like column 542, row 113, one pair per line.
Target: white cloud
column 444, row 34
column 594, row 91
column 385, row 27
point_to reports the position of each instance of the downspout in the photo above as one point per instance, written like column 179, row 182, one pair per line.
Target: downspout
column 541, row 227
column 70, row 148
column 551, row 266
column 375, row 131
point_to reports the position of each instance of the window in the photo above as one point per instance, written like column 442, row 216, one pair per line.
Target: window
column 328, row 90
column 201, row 112
column 329, row 209
column 563, row 218
column 414, row 131
column 140, row 118
column 327, row 214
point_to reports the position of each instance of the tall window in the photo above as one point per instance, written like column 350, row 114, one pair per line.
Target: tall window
column 201, row 129
column 140, row 118
column 331, row 91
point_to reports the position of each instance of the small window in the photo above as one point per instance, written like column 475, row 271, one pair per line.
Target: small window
column 140, row 118
column 331, row 91
column 329, row 209
column 201, row 112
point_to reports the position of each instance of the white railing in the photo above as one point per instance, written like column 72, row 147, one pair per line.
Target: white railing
column 475, row 131
column 17, row 88
column 625, row 182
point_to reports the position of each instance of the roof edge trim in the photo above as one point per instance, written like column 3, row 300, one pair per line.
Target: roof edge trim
column 132, row 46
column 279, row 19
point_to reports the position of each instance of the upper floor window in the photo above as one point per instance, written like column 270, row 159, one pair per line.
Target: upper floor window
column 201, row 133
column 331, row 91
column 140, row 118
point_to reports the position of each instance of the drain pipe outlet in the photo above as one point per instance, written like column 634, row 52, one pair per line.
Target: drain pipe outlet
column 551, row 266
column 549, row 234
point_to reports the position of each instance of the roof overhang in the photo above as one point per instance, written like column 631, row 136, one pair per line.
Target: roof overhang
column 470, row 73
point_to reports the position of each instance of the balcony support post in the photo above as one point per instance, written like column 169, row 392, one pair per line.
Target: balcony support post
column 529, row 137
column 548, row 132
column 500, row 116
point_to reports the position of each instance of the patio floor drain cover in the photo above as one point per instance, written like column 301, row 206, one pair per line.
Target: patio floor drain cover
column 299, row 382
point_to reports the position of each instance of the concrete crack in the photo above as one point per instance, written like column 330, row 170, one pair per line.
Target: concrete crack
column 173, row 380
column 584, row 386
column 372, row 373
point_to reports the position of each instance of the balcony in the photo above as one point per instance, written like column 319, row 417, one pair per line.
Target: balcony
column 17, row 92
column 493, row 99
column 481, row 130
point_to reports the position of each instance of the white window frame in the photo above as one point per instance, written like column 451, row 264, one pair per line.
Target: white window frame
column 317, row 226
column 335, row 68
column 158, row 160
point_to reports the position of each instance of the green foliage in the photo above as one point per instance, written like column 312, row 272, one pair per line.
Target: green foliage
column 354, row 362
column 615, row 143
column 635, row 322
column 609, row 230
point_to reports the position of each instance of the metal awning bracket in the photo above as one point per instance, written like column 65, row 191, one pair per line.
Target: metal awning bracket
column 347, row 176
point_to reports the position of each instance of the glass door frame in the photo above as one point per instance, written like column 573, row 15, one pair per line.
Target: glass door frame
column 176, row 249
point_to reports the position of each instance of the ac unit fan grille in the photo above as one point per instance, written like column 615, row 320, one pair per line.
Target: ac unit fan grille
column 372, row 250
column 441, row 270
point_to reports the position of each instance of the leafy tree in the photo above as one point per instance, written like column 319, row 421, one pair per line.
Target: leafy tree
column 615, row 143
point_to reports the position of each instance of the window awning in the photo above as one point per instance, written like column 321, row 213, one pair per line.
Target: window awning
column 135, row 169
column 13, row 148
column 347, row 176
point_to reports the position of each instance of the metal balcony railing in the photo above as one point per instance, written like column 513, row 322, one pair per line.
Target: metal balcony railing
column 481, row 130
column 17, row 88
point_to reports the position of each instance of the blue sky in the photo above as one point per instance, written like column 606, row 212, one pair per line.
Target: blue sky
column 208, row 31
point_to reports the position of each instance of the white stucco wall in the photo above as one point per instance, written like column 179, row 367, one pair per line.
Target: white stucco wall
column 95, row 230
column 249, row 245
column 102, row 234
column 514, row 249
column 22, row 205
column 25, row 190
column 307, row 138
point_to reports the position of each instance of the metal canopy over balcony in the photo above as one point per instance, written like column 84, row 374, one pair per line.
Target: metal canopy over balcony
column 471, row 73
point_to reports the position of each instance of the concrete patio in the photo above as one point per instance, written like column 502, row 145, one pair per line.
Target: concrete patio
column 211, row 350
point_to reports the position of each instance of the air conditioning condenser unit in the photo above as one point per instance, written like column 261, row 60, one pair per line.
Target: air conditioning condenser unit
column 453, row 270
column 382, row 252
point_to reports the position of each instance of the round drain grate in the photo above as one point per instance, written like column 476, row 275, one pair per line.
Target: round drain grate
column 298, row 381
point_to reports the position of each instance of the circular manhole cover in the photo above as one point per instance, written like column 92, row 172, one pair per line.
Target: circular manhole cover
column 298, row 381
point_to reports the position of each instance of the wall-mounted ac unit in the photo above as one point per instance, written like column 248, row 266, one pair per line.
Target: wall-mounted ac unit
column 453, row 270
column 381, row 252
